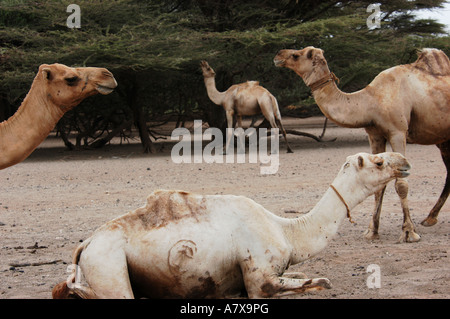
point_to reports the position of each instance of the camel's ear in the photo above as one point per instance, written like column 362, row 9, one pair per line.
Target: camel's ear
column 47, row 73
column 317, row 57
column 360, row 161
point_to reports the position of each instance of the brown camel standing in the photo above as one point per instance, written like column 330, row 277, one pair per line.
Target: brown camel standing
column 55, row 90
column 404, row 104
column 244, row 99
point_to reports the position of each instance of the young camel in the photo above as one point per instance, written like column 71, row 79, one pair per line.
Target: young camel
column 182, row 245
column 244, row 99
column 55, row 90
column 404, row 104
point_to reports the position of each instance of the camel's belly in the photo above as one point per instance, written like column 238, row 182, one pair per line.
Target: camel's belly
column 251, row 108
column 185, row 278
column 429, row 132
column 430, row 115
column 184, row 263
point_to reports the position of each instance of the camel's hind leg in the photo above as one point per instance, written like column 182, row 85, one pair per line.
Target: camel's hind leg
column 432, row 217
column 283, row 131
column 104, row 266
column 272, row 114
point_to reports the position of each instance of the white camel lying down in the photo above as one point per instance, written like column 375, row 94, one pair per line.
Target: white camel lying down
column 182, row 245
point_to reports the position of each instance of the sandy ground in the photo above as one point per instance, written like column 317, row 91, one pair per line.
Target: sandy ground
column 57, row 198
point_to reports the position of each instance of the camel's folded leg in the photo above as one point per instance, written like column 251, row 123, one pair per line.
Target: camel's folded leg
column 283, row 286
column 295, row 275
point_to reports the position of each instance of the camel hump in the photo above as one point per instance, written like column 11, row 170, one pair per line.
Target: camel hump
column 166, row 206
column 433, row 61
column 252, row 83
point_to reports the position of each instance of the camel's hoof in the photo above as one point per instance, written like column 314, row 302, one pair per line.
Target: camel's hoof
column 371, row 235
column 289, row 151
column 409, row 237
column 429, row 221
column 322, row 283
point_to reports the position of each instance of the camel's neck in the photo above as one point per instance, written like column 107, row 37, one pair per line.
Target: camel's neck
column 28, row 127
column 345, row 109
column 215, row 96
column 311, row 233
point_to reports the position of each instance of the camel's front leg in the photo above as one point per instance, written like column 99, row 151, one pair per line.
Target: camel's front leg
column 408, row 232
column 295, row 274
column 398, row 143
column 274, row 286
column 378, row 145
column 229, row 130
column 372, row 231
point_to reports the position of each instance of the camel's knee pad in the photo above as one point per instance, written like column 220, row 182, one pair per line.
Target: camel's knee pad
column 401, row 186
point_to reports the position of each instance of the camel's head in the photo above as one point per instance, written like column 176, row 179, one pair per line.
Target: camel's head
column 373, row 172
column 208, row 72
column 303, row 62
column 67, row 87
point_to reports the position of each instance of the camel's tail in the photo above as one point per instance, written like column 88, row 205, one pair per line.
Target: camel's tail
column 277, row 115
column 276, row 109
column 433, row 61
column 69, row 289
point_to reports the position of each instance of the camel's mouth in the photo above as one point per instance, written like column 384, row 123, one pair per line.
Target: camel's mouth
column 403, row 172
column 278, row 62
column 105, row 89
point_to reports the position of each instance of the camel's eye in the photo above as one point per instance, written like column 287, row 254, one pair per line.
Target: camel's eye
column 295, row 56
column 72, row 81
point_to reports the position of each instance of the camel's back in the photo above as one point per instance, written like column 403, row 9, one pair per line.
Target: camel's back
column 166, row 208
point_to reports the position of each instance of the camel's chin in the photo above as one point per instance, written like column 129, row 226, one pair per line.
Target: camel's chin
column 402, row 174
column 104, row 90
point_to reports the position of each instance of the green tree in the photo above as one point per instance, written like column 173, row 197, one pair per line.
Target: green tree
column 154, row 48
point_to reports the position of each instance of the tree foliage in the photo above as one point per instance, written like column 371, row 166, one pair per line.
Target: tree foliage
column 154, row 47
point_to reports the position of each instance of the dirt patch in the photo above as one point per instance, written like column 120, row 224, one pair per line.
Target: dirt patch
column 57, row 198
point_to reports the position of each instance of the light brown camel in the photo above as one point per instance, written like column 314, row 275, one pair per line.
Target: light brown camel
column 55, row 90
column 183, row 245
column 404, row 104
column 244, row 99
